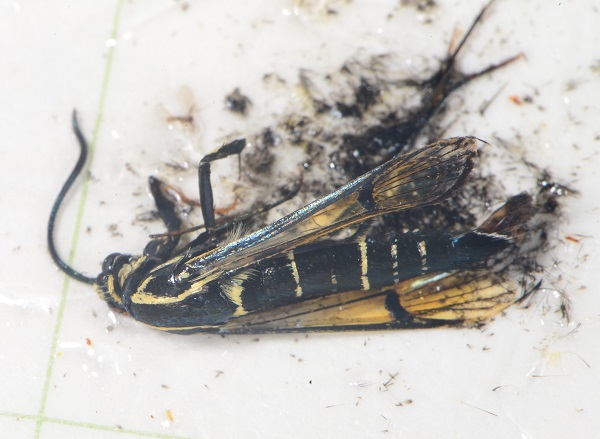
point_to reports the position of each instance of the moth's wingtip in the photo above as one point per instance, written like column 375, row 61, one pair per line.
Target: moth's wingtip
column 463, row 143
column 472, row 143
column 462, row 297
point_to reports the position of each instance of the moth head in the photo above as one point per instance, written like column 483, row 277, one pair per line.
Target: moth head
column 116, row 269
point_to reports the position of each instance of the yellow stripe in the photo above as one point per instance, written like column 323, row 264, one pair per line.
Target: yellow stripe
column 110, row 286
column 144, row 297
column 233, row 287
column 364, row 266
column 294, row 268
column 182, row 328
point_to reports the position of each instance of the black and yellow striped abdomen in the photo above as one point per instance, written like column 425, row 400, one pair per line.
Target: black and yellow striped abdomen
column 367, row 264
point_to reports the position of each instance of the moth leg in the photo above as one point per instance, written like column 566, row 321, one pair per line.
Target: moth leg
column 205, row 186
column 162, row 247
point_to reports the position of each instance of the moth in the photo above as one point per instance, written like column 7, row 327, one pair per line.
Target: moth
column 292, row 276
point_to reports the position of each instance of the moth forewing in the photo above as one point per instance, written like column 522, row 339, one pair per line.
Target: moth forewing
column 423, row 177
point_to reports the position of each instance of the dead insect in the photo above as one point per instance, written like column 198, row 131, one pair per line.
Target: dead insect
column 288, row 276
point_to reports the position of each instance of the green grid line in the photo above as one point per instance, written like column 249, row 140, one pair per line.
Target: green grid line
column 40, row 417
column 91, row 426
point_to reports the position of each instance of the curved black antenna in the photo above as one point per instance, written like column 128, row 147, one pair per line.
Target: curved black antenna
column 69, row 271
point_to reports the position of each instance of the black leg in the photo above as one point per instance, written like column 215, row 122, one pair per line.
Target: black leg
column 165, row 206
column 205, row 187
column 163, row 246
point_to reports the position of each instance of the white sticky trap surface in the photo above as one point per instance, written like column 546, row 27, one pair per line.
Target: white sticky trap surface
column 124, row 66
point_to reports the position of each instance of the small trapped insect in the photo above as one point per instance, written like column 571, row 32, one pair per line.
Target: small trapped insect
column 293, row 276
column 287, row 277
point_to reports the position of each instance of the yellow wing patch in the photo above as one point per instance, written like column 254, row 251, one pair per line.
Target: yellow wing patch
column 440, row 299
